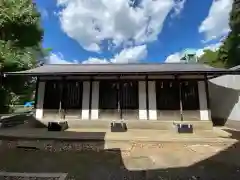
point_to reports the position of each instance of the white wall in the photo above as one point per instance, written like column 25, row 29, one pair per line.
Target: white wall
column 142, row 100
column 95, row 100
column 152, row 100
column 224, row 92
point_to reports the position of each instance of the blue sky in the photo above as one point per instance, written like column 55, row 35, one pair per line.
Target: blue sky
column 130, row 31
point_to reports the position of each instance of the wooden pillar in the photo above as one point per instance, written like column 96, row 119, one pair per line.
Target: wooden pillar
column 86, row 100
column 61, row 111
column 142, row 100
column 203, row 102
column 152, row 108
column 36, row 93
column 40, row 99
column 207, row 92
column 180, row 96
column 95, row 100
column 147, row 97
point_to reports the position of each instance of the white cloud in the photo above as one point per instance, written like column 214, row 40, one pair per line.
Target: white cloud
column 131, row 55
column 213, row 47
column 175, row 57
column 92, row 22
column 95, row 61
column 128, row 55
column 58, row 59
column 215, row 25
column 178, row 7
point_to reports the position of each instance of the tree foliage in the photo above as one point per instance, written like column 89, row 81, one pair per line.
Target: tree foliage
column 210, row 57
column 20, row 45
column 229, row 52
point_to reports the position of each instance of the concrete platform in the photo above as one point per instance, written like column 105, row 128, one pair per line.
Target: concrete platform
column 71, row 134
column 135, row 124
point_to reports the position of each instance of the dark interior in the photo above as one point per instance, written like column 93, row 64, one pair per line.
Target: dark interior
column 72, row 95
column 167, row 93
column 108, row 91
column 52, row 95
column 171, row 94
column 129, row 95
column 190, row 99
column 118, row 99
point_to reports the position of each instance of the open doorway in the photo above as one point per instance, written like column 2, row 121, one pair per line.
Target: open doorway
column 168, row 100
column 190, row 100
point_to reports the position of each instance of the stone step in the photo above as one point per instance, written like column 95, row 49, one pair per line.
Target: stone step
column 136, row 124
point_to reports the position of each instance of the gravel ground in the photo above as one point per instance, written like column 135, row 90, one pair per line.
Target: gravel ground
column 233, row 124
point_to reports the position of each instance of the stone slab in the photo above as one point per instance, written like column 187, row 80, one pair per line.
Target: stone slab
column 59, row 176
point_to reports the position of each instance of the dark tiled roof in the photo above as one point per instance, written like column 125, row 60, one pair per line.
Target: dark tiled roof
column 166, row 68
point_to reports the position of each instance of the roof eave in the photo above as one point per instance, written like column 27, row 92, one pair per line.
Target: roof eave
column 214, row 73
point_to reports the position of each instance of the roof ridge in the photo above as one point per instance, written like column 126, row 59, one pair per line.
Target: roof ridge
column 101, row 64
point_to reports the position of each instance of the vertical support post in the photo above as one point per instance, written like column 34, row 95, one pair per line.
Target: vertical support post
column 95, row 100
column 90, row 97
column 40, row 99
column 85, row 100
column 142, row 100
column 207, row 92
column 61, row 110
column 203, row 102
column 208, row 99
column 120, row 97
column 36, row 93
column 152, row 100
column 180, row 98
column 147, row 97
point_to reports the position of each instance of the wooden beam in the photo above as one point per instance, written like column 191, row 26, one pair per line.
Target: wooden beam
column 36, row 93
column 61, row 102
column 207, row 92
column 90, row 98
column 180, row 96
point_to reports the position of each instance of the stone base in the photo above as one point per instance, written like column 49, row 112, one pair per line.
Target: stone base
column 134, row 124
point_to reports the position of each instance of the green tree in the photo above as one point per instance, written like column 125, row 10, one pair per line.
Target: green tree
column 229, row 52
column 211, row 58
column 20, row 46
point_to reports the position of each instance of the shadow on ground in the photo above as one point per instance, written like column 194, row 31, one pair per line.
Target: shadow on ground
column 21, row 120
column 114, row 164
